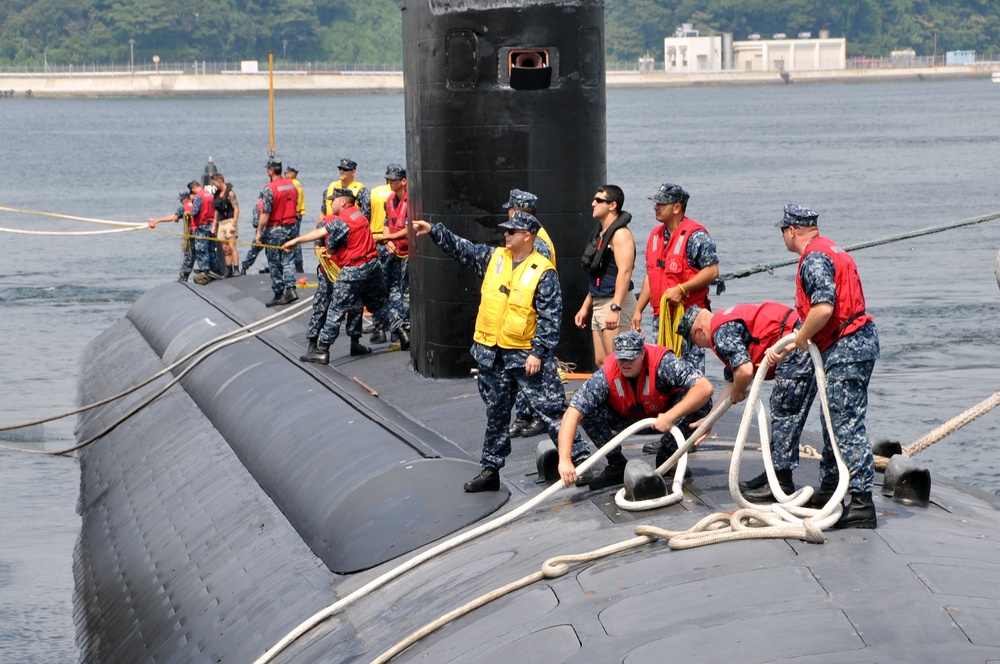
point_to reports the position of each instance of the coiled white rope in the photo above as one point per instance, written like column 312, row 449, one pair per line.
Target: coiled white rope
column 447, row 545
column 209, row 347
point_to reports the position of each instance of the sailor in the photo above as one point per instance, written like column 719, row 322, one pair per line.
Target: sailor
column 351, row 263
column 831, row 303
column 292, row 173
column 608, row 260
column 639, row 380
column 740, row 337
column 516, row 333
column 187, row 248
column 347, row 168
column 379, row 195
column 225, row 227
column 681, row 262
column 525, row 423
column 254, row 248
column 277, row 226
column 207, row 263
column 395, row 241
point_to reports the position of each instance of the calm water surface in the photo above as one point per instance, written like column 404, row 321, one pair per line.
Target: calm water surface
column 874, row 160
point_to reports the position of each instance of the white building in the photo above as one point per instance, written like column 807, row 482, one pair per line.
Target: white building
column 687, row 53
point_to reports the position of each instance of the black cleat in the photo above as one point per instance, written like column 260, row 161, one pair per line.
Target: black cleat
column 487, row 480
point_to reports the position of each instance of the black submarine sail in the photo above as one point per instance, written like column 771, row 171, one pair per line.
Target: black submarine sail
column 499, row 95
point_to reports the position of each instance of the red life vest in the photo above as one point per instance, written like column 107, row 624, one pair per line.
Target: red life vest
column 649, row 402
column 206, row 215
column 849, row 312
column 667, row 266
column 767, row 322
column 395, row 219
column 360, row 245
column 285, row 198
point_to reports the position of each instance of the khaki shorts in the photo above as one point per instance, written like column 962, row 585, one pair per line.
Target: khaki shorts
column 601, row 307
column 227, row 230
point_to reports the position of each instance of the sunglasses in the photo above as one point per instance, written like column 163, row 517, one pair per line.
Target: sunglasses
column 601, row 200
column 513, row 231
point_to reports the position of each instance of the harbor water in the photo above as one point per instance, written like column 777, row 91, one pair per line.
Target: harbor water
column 875, row 161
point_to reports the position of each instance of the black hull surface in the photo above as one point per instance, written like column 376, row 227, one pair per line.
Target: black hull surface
column 261, row 490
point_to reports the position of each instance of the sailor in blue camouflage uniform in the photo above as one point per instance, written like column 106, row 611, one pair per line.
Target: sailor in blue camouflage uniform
column 740, row 336
column 517, row 330
column 350, row 243
column 831, row 303
column 612, row 399
column 525, row 423
column 276, row 226
column 255, row 248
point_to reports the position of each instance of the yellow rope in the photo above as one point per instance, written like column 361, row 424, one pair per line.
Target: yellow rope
column 669, row 321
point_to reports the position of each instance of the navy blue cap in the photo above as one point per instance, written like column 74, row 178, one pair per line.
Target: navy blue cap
column 347, row 165
column 395, row 172
column 275, row 163
column 687, row 321
column 340, row 191
column 629, row 345
column 184, row 194
column 798, row 215
column 670, row 193
column 193, row 183
column 521, row 199
column 522, row 221
column 291, row 169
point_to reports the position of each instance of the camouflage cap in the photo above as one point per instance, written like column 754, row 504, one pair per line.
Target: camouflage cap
column 670, row 193
column 192, row 184
column 291, row 169
column 184, row 194
column 347, row 165
column 521, row 199
column 275, row 163
column 395, row 172
column 798, row 215
column 522, row 221
column 687, row 321
column 629, row 345
column 340, row 191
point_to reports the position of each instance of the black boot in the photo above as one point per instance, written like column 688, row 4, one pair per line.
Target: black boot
column 287, row 297
column 404, row 339
column 378, row 336
column 764, row 495
column 311, row 351
column 518, row 426
column 357, row 348
column 754, row 483
column 822, row 495
column 319, row 355
column 243, row 270
column 276, row 300
column 534, row 427
column 182, row 279
column 860, row 512
column 487, row 480
column 612, row 475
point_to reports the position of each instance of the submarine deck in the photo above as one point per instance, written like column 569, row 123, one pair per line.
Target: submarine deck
column 200, row 566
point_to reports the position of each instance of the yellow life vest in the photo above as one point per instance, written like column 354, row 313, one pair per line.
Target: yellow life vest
column 379, row 195
column 547, row 240
column 300, row 204
column 507, row 316
column 354, row 186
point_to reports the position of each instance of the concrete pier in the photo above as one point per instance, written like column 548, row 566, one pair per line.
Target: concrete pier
column 179, row 84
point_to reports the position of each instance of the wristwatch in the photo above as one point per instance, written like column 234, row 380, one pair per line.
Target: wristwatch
column 615, row 307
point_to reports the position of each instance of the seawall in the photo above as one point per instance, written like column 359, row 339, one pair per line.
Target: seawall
column 179, row 84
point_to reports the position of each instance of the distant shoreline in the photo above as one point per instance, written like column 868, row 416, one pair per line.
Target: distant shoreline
column 179, row 84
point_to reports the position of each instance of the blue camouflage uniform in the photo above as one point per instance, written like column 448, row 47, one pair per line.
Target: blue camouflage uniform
column 254, row 249
column 280, row 263
column 522, row 409
column 501, row 370
column 848, row 363
column 793, row 391
column 602, row 423
column 357, row 286
column 701, row 252
column 355, row 317
column 205, row 256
